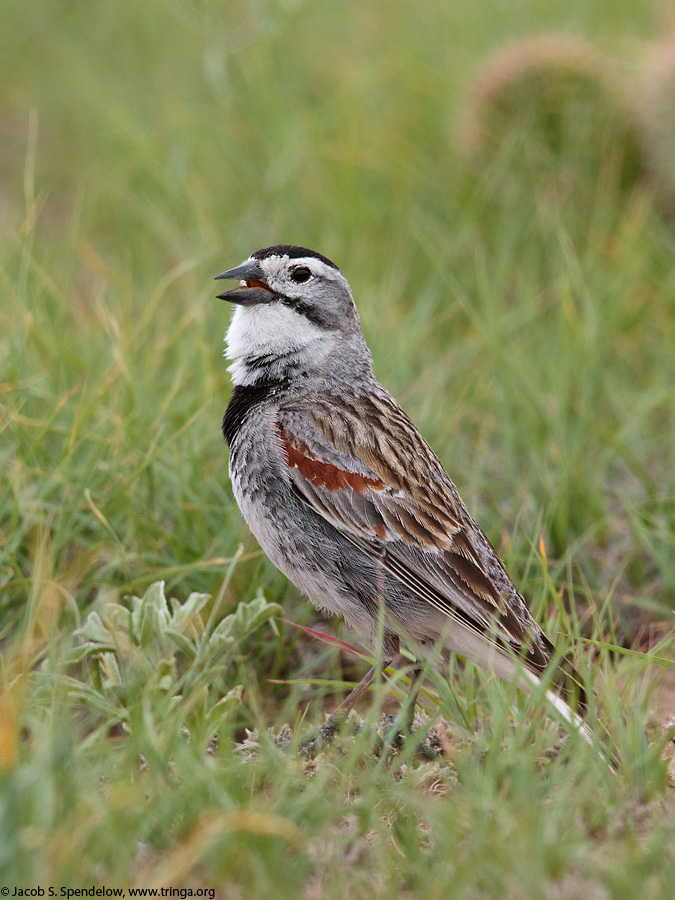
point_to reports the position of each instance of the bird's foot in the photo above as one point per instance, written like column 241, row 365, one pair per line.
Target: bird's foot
column 388, row 739
column 394, row 737
column 312, row 744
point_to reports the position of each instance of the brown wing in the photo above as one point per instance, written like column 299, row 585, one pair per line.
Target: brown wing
column 371, row 475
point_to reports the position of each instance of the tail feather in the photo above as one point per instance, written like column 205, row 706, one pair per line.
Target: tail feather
column 569, row 685
column 570, row 703
column 566, row 692
column 561, row 703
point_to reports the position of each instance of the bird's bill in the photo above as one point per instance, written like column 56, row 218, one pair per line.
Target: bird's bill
column 252, row 289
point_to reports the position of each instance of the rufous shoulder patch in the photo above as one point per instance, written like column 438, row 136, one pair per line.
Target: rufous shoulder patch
column 324, row 474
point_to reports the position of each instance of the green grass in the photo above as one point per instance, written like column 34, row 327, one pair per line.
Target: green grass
column 519, row 303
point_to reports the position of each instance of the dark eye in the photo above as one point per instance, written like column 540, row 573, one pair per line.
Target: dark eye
column 300, row 274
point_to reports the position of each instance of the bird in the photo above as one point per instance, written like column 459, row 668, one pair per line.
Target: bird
column 349, row 501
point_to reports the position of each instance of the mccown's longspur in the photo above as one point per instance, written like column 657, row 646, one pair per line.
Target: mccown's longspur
column 346, row 497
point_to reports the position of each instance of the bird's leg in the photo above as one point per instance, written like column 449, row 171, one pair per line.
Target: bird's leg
column 406, row 716
column 413, row 694
column 350, row 700
column 311, row 745
column 397, row 729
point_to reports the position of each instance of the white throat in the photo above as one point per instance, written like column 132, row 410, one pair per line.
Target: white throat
column 270, row 341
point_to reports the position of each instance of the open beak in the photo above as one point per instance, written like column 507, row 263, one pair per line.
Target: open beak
column 252, row 289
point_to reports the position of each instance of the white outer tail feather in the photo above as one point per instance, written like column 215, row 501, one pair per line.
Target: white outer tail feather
column 570, row 716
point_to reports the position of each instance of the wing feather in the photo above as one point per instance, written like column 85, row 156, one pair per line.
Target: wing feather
column 372, row 476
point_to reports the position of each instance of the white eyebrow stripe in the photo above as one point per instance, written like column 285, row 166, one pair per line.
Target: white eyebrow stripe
column 314, row 265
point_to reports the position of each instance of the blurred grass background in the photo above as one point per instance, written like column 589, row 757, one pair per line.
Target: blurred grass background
column 504, row 217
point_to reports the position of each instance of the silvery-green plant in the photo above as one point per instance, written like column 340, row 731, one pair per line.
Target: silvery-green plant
column 165, row 651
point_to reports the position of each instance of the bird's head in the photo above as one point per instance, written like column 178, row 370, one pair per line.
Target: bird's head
column 294, row 310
